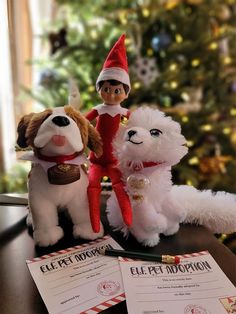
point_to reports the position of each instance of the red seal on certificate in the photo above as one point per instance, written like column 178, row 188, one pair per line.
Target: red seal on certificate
column 195, row 309
column 108, row 287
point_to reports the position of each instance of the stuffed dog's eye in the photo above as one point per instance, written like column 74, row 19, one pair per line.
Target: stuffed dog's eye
column 155, row 132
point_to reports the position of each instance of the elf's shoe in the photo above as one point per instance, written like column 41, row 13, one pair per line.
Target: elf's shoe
column 124, row 203
column 94, row 207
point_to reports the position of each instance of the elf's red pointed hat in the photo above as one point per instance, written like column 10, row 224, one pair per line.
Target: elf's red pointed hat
column 115, row 66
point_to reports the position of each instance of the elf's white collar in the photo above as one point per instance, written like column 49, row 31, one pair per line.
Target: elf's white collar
column 30, row 156
column 111, row 110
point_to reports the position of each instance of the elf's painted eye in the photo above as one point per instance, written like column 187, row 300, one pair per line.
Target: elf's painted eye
column 106, row 89
column 117, row 91
column 155, row 132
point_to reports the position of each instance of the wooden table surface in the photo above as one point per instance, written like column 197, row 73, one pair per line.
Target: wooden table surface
column 18, row 290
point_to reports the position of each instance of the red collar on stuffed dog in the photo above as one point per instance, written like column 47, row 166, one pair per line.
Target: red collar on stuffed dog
column 145, row 164
column 57, row 159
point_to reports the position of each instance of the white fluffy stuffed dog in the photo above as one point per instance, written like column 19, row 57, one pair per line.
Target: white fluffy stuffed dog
column 58, row 179
column 146, row 148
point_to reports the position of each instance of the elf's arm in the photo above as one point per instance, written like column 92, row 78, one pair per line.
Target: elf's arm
column 91, row 115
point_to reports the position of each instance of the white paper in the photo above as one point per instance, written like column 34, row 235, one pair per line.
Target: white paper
column 77, row 279
column 196, row 285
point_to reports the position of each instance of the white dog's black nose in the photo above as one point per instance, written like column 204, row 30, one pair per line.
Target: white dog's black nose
column 61, row 121
column 131, row 133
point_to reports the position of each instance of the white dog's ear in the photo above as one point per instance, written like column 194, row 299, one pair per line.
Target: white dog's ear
column 74, row 94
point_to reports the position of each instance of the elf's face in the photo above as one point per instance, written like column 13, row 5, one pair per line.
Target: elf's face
column 112, row 94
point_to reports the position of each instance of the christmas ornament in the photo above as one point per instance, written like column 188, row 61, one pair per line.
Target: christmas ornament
column 161, row 41
column 213, row 165
column 48, row 77
column 74, row 94
column 233, row 87
column 145, row 69
column 192, row 102
column 58, row 40
column 224, row 46
column 223, row 12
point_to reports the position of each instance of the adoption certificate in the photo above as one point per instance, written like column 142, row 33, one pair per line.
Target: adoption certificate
column 196, row 285
column 79, row 279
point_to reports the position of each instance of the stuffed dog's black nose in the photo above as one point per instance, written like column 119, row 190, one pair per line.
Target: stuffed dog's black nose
column 131, row 133
column 61, row 121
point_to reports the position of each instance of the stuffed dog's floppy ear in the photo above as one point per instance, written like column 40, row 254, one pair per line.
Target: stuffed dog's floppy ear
column 94, row 141
column 21, row 130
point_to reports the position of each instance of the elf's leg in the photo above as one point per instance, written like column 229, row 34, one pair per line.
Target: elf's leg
column 94, row 191
column 121, row 195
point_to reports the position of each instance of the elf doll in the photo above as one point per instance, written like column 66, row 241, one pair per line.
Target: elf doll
column 113, row 86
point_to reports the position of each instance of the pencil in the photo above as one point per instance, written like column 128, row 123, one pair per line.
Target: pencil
column 167, row 259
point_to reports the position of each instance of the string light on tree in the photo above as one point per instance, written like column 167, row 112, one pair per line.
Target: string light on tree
column 233, row 112
column 137, row 85
column 185, row 119
column 206, row 127
column 195, row 63
column 213, row 46
column 190, row 143
column 185, row 96
column 173, row 84
column 91, row 88
column 178, row 38
column 227, row 60
column 226, row 131
column 150, row 52
column 145, row 12
column 173, row 67
column 193, row 161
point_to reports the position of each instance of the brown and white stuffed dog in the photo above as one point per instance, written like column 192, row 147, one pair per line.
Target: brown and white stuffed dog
column 57, row 179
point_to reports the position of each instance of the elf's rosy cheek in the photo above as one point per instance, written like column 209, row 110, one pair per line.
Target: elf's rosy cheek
column 58, row 140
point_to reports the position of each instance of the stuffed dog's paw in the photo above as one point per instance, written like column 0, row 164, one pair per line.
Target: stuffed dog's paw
column 46, row 237
column 151, row 241
column 156, row 224
column 171, row 229
column 84, row 230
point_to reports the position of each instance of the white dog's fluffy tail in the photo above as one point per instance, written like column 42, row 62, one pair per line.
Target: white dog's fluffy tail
column 216, row 211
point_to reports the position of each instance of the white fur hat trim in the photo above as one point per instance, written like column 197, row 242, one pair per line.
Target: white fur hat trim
column 113, row 74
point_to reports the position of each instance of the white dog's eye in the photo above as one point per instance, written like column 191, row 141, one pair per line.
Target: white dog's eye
column 155, row 132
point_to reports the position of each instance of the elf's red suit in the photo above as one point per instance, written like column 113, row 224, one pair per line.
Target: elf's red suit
column 107, row 124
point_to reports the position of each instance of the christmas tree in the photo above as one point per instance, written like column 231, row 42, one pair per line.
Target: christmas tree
column 182, row 59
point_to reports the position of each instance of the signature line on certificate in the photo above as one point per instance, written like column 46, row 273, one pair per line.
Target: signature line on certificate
column 86, row 283
column 183, row 291
column 213, row 297
column 192, row 283
column 101, row 268
column 66, row 310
